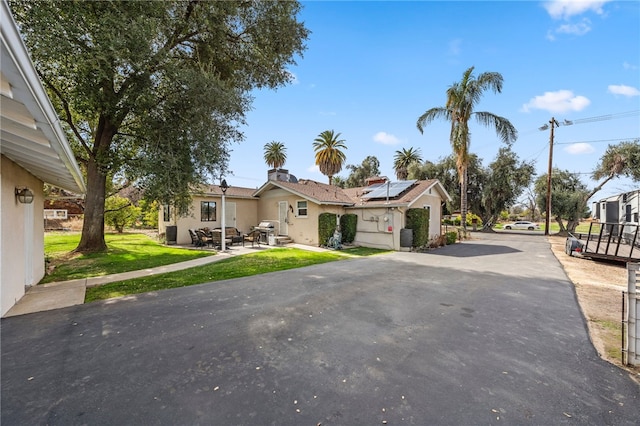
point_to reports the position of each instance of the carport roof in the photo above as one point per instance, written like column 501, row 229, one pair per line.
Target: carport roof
column 30, row 131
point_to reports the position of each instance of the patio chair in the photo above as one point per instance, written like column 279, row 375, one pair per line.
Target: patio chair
column 194, row 238
column 203, row 239
column 253, row 237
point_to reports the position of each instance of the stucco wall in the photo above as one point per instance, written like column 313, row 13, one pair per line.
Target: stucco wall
column 21, row 258
column 246, row 217
column 302, row 230
column 373, row 227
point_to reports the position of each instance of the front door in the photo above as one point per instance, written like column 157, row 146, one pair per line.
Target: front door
column 230, row 215
column 282, row 217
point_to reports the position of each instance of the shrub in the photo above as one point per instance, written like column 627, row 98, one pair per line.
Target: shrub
column 348, row 226
column 451, row 237
column 418, row 221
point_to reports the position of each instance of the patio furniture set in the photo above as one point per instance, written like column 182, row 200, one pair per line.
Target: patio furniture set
column 206, row 237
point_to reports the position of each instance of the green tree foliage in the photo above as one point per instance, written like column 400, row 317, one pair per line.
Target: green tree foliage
column 369, row 167
column 275, row 154
column 149, row 213
column 445, row 171
column 618, row 160
column 329, row 153
column 120, row 213
column 339, row 181
column 403, row 159
column 156, row 90
column 505, row 180
column 462, row 100
column 569, row 196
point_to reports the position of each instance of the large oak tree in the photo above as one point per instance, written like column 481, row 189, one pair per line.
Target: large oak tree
column 155, row 91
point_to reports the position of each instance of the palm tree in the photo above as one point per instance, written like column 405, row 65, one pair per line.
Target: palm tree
column 329, row 157
column 275, row 154
column 403, row 159
column 462, row 98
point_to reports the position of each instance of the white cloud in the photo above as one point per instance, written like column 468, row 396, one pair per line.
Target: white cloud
column 564, row 9
column 579, row 148
column 576, row 29
column 627, row 66
column 623, row 90
column 454, row 47
column 292, row 77
column 559, row 101
column 313, row 169
column 386, row 138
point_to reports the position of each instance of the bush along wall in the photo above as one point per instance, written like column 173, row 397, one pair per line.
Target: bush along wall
column 326, row 227
column 418, row 220
column 348, row 226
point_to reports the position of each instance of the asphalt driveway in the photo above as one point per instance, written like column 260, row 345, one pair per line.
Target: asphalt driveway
column 484, row 332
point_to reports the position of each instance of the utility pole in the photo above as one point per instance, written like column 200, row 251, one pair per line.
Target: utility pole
column 554, row 123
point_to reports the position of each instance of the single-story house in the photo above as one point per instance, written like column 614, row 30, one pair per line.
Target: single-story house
column 33, row 151
column 621, row 208
column 294, row 207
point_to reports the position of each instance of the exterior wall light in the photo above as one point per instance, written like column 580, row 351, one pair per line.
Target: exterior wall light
column 24, row 195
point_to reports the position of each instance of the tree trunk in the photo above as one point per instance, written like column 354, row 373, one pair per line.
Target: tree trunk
column 463, row 200
column 92, row 239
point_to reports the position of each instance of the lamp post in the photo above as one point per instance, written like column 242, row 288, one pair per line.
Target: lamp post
column 223, row 187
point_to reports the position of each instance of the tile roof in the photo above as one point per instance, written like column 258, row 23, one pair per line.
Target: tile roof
column 321, row 193
column 316, row 191
column 233, row 191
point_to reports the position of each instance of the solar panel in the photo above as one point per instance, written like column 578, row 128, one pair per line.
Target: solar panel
column 391, row 189
column 372, row 187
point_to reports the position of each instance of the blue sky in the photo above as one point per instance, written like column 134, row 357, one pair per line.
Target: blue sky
column 372, row 68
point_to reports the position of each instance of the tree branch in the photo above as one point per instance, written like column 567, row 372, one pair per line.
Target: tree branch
column 68, row 119
column 119, row 208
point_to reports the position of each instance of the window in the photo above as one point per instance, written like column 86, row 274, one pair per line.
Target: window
column 207, row 211
column 301, row 206
column 166, row 213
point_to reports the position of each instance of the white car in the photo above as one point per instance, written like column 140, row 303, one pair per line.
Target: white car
column 522, row 224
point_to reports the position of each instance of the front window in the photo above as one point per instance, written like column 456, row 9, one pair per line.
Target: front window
column 207, row 211
column 166, row 213
column 302, row 208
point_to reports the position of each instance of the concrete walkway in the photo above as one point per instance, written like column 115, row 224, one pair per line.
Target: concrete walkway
column 62, row 294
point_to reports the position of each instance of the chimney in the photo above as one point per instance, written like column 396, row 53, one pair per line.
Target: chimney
column 375, row 179
column 281, row 175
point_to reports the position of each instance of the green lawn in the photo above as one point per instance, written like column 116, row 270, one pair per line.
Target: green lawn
column 554, row 228
column 276, row 259
column 127, row 252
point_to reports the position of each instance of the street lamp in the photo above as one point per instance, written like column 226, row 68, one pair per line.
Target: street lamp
column 223, row 187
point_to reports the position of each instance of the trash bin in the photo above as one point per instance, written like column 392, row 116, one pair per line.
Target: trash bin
column 406, row 237
column 272, row 240
column 172, row 235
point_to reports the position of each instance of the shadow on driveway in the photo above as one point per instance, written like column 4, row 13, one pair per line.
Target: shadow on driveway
column 473, row 250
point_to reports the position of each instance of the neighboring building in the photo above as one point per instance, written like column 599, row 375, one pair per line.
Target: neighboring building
column 294, row 206
column 33, row 151
column 621, row 208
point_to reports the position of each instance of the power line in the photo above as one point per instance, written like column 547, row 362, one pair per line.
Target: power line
column 626, row 114
column 600, row 140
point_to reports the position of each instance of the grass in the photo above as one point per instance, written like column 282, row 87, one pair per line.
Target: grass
column 613, row 338
column 276, row 259
column 126, row 252
column 582, row 228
